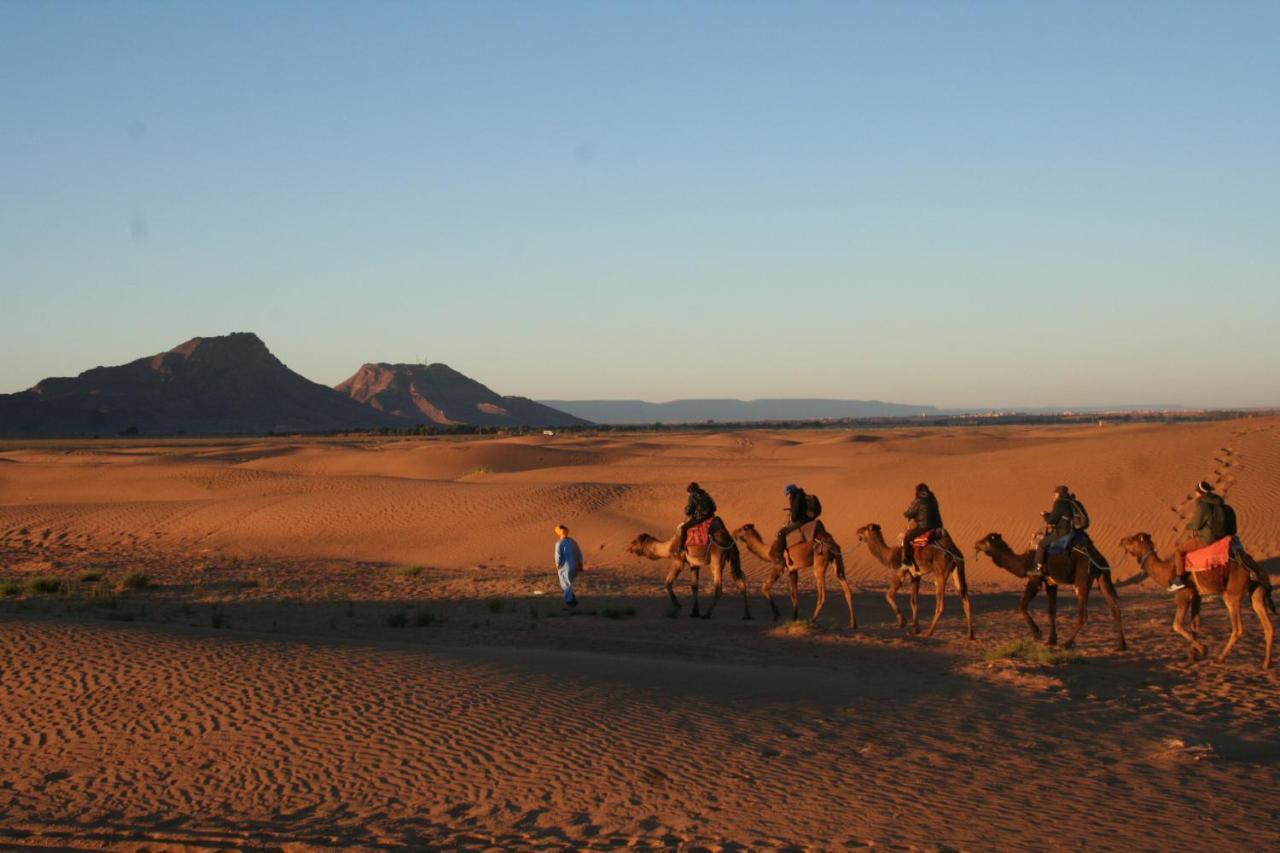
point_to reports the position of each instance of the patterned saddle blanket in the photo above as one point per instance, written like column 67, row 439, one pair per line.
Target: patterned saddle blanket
column 699, row 536
column 1213, row 556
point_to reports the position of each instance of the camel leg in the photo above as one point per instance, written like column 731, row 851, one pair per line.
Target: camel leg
column 735, row 568
column 1024, row 603
column 717, row 584
column 915, row 604
column 1109, row 593
column 1259, row 599
column 793, row 581
column 891, row 596
column 847, row 590
column 1188, row 600
column 1082, row 607
column 940, row 600
column 766, row 588
column 694, row 572
column 676, row 566
column 1051, row 599
column 962, row 587
column 1232, row 600
column 820, row 579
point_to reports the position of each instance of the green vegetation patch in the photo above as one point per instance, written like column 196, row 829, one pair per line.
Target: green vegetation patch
column 1031, row 651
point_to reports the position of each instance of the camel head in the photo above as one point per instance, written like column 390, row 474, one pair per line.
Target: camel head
column 867, row 532
column 1138, row 545
column 641, row 544
column 746, row 530
column 989, row 543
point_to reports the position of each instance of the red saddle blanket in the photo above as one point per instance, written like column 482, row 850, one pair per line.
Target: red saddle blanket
column 1210, row 557
column 922, row 541
column 699, row 535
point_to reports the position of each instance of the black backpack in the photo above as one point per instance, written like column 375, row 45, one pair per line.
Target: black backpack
column 1218, row 520
column 1079, row 515
column 1229, row 521
column 813, row 505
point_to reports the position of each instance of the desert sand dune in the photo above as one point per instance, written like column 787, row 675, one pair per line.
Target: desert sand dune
column 287, row 686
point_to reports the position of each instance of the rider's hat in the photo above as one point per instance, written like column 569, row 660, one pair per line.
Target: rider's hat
column 693, row 487
column 1062, row 490
column 921, row 488
column 791, row 488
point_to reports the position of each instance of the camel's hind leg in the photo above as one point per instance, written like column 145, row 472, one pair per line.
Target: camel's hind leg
column 694, row 576
column 1024, row 607
column 847, row 590
column 939, row 602
column 1108, row 590
column 793, row 583
column 962, row 587
column 766, row 588
column 1259, row 599
column 1231, row 593
column 717, row 583
column 735, row 569
column 676, row 567
column 819, row 580
column 915, row 604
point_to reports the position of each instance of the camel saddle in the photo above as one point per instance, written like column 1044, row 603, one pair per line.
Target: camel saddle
column 1214, row 556
column 699, row 536
column 1064, row 545
column 802, row 534
column 925, row 539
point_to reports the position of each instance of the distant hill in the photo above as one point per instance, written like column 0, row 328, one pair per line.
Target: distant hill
column 438, row 394
column 733, row 411
column 217, row 385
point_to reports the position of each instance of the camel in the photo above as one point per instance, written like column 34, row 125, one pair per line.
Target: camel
column 821, row 552
column 721, row 551
column 940, row 560
column 1074, row 569
column 1231, row 582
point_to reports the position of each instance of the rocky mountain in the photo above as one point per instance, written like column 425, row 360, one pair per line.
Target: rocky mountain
column 217, row 385
column 438, row 394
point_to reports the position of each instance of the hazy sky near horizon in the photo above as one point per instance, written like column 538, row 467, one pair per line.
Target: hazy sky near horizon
column 948, row 203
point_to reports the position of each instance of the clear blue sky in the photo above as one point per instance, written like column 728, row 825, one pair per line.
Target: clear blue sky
column 949, row 203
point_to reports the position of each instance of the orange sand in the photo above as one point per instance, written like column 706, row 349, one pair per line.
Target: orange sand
column 263, row 694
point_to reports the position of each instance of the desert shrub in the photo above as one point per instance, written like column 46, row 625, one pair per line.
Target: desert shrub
column 495, row 605
column 618, row 612
column 407, row 571
column 135, row 580
column 424, row 617
column 10, row 587
column 397, row 619
column 42, row 585
column 1031, row 651
column 91, row 576
column 217, row 619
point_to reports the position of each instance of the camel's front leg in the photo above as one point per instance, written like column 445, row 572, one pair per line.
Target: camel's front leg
column 1188, row 599
column 1024, row 607
column 676, row 566
column 891, row 596
column 694, row 573
column 766, row 588
column 1082, row 607
column 1109, row 593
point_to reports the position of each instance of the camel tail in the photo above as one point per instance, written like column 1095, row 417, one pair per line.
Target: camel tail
column 735, row 562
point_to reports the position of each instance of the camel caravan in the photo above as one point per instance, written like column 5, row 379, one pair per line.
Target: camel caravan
column 1062, row 555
